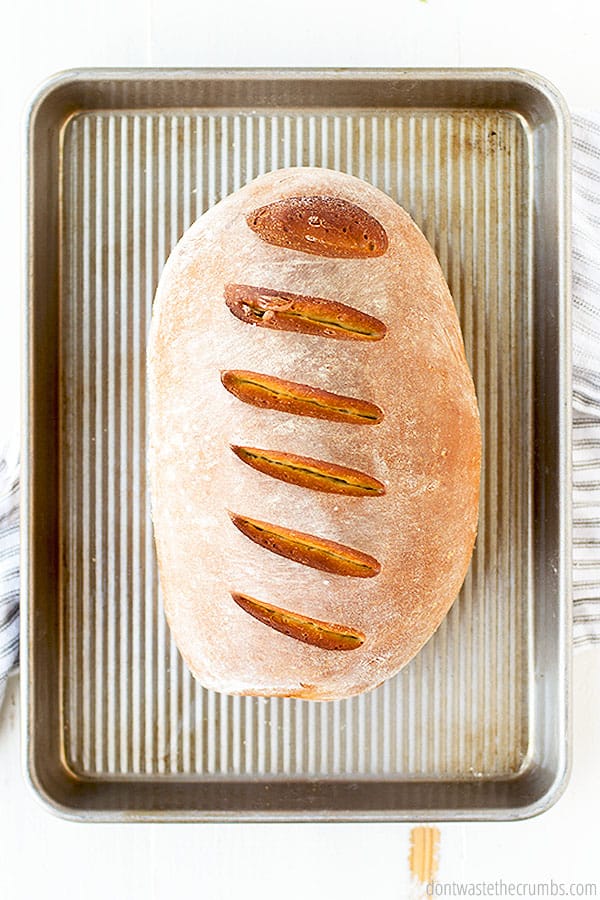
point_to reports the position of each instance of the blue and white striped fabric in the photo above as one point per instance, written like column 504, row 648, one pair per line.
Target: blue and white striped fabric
column 586, row 377
column 9, row 563
column 586, row 412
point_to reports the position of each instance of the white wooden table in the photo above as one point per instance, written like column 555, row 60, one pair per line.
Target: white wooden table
column 42, row 856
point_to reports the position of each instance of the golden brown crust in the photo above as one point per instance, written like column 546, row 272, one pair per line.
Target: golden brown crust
column 269, row 392
column 322, row 226
column 315, row 474
column 284, row 311
column 324, row 635
column 308, row 549
column 426, row 450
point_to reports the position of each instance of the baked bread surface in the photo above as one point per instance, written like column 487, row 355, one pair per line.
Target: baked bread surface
column 426, row 451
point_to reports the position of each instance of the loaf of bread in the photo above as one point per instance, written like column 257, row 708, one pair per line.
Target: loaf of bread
column 315, row 444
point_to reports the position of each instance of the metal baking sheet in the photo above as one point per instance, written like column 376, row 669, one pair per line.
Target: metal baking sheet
column 119, row 164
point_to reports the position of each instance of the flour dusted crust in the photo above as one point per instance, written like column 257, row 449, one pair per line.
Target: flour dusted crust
column 426, row 450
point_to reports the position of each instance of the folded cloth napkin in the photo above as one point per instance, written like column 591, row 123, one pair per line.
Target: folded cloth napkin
column 586, row 377
column 586, row 412
column 9, row 563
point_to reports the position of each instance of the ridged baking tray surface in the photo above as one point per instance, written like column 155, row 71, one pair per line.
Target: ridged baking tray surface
column 120, row 164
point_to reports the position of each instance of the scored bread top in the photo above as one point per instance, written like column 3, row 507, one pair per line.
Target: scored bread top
column 426, row 450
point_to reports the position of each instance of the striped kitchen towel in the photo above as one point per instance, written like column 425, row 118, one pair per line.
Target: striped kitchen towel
column 586, row 377
column 9, row 562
